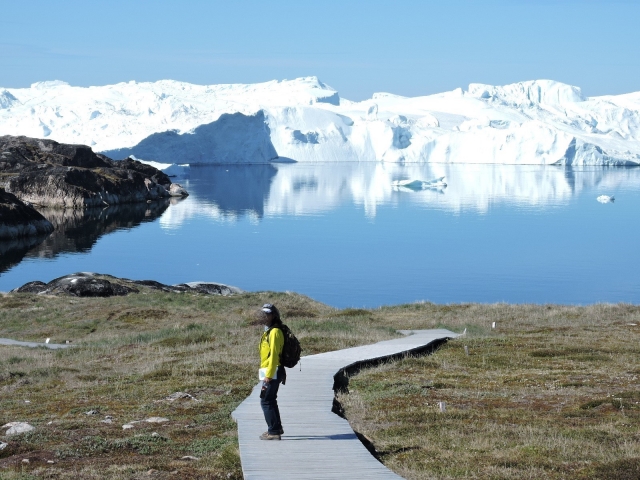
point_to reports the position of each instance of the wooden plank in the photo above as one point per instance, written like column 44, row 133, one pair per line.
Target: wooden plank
column 317, row 444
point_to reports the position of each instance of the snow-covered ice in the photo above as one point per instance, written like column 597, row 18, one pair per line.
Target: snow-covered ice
column 533, row 122
column 606, row 199
column 420, row 184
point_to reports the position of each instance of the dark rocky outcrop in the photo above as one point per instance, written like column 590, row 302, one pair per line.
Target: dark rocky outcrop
column 48, row 173
column 97, row 285
column 20, row 220
column 78, row 285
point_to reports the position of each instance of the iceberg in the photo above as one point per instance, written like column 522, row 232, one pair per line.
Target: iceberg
column 606, row 199
column 420, row 184
column 537, row 122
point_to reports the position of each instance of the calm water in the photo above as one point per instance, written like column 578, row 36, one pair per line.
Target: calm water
column 342, row 234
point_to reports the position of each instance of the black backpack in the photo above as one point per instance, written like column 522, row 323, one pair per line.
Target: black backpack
column 291, row 350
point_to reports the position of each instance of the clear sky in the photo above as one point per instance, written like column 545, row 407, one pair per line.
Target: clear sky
column 358, row 47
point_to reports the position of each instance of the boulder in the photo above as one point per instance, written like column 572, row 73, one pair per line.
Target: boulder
column 17, row 427
column 180, row 396
column 18, row 219
column 78, row 285
column 86, row 284
column 208, row 287
column 47, row 173
column 177, row 190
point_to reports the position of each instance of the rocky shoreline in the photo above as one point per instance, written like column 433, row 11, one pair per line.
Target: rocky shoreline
column 87, row 284
column 20, row 220
column 48, row 173
column 45, row 173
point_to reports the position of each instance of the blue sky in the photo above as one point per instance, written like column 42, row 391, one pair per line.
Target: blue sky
column 358, row 47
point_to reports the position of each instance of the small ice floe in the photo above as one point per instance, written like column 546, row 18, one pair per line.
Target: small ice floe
column 420, row 184
column 606, row 199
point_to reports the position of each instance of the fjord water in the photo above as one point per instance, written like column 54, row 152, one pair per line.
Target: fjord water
column 342, row 234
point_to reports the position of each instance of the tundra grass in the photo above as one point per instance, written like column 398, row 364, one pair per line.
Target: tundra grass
column 129, row 354
column 551, row 392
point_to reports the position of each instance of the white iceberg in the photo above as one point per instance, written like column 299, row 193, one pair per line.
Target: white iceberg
column 606, row 199
column 420, row 184
column 539, row 122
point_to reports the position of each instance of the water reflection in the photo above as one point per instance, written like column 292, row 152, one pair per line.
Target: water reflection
column 13, row 251
column 78, row 230
column 225, row 193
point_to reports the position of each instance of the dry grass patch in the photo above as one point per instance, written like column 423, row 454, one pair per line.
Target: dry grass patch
column 130, row 353
column 553, row 392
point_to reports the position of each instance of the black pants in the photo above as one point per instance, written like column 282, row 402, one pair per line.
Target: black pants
column 269, row 406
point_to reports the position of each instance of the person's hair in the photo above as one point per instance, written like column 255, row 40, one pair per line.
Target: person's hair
column 276, row 315
column 271, row 311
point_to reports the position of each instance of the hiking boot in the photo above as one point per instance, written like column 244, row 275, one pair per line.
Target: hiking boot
column 268, row 436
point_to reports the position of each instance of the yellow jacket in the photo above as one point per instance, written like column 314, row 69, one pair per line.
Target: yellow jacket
column 271, row 345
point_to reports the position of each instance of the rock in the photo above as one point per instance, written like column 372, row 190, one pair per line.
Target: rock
column 131, row 424
column 3, row 445
column 31, row 287
column 20, row 220
column 85, row 284
column 177, row 190
column 180, row 396
column 17, row 427
column 156, row 420
column 208, row 288
column 190, row 458
column 82, row 284
column 92, row 412
column 25, row 460
column 48, row 173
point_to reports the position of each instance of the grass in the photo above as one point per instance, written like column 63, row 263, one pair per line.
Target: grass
column 551, row 393
column 130, row 353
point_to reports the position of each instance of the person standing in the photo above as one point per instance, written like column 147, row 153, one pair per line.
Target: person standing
column 271, row 372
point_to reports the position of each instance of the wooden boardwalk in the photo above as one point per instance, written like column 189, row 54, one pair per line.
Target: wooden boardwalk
column 318, row 444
